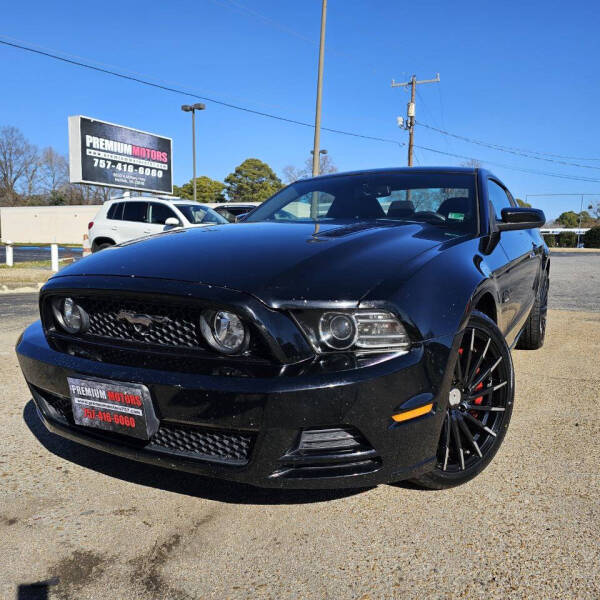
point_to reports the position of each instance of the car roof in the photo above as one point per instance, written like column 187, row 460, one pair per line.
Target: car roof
column 234, row 204
column 170, row 200
column 403, row 170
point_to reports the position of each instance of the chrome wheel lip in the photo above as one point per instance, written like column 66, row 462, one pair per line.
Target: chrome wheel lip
column 472, row 424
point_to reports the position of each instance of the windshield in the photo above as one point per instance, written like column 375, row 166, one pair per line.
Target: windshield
column 443, row 199
column 200, row 214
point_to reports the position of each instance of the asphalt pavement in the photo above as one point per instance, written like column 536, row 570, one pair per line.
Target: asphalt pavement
column 575, row 281
column 18, row 307
column 80, row 524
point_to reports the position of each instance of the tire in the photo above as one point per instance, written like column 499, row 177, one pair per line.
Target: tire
column 102, row 246
column 534, row 333
column 474, row 426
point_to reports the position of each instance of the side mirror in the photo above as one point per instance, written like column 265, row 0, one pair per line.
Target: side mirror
column 520, row 218
column 172, row 222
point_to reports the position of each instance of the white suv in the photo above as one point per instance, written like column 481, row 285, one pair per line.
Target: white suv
column 123, row 219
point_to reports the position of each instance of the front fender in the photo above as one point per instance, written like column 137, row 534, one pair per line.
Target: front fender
column 438, row 298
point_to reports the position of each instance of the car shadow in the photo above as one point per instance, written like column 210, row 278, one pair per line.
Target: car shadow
column 35, row 591
column 169, row 480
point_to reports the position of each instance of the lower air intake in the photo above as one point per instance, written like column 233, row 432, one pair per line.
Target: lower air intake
column 332, row 452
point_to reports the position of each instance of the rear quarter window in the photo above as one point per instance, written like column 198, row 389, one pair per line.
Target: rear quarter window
column 115, row 212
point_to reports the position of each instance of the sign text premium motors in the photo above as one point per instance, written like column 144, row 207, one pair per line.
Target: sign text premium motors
column 102, row 153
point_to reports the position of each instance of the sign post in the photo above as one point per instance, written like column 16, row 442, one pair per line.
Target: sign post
column 106, row 154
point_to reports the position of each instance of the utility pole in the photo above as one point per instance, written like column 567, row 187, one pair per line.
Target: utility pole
column 410, row 110
column 315, row 161
column 314, row 202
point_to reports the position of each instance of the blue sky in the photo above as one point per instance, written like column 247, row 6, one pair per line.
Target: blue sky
column 519, row 74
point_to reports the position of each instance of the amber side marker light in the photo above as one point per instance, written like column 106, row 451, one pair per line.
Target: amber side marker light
column 413, row 414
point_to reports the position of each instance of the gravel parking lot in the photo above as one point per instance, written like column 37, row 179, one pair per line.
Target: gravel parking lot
column 79, row 524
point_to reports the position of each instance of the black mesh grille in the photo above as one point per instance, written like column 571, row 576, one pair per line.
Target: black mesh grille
column 61, row 405
column 232, row 447
column 170, row 325
column 185, row 440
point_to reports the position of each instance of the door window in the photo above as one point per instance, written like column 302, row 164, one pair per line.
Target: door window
column 499, row 198
column 159, row 213
column 299, row 209
column 135, row 211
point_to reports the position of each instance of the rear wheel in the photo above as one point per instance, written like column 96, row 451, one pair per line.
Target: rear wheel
column 534, row 333
column 102, row 246
column 479, row 408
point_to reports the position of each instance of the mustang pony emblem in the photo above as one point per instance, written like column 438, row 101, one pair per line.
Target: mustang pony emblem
column 141, row 323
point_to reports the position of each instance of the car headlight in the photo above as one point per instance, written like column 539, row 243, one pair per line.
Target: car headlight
column 224, row 331
column 379, row 329
column 360, row 330
column 338, row 330
column 70, row 316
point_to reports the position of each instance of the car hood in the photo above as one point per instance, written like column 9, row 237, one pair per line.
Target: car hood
column 279, row 263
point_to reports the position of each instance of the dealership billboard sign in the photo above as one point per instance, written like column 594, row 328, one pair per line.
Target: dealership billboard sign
column 102, row 153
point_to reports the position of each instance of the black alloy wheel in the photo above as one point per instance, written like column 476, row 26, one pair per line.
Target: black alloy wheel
column 479, row 407
column 534, row 332
column 545, row 286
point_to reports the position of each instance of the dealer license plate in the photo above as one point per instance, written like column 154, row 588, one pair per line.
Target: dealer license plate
column 116, row 406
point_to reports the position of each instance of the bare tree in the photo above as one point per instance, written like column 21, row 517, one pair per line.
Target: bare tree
column 18, row 165
column 291, row 174
column 326, row 166
column 53, row 171
column 472, row 162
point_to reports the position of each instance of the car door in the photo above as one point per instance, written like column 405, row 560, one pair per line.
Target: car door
column 518, row 291
column 135, row 220
column 157, row 215
column 111, row 227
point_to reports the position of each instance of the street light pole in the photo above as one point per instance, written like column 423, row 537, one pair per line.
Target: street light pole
column 193, row 108
column 315, row 161
column 194, row 150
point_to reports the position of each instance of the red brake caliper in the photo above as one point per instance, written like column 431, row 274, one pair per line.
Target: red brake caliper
column 479, row 399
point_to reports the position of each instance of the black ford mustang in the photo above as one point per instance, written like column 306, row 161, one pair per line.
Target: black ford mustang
column 355, row 330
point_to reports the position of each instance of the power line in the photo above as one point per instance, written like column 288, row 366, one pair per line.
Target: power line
column 168, row 88
column 241, row 8
column 233, row 5
column 136, row 79
column 517, row 151
column 511, row 167
column 109, row 66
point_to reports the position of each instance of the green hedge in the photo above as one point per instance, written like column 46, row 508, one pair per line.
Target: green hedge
column 550, row 240
column 567, row 239
column 591, row 238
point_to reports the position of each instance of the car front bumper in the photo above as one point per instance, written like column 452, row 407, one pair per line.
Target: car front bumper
column 250, row 429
